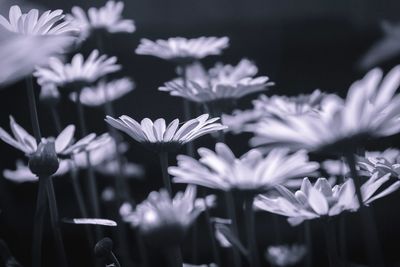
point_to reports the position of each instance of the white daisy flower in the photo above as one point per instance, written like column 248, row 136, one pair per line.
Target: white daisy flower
column 238, row 121
column 112, row 168
column 252, row 172
column 370, row 111
column 104, row 92
column 183, row 50
column 384, row 162
column 321, row 199
column 223, row 82
column 65, row 146
column 162, row 220
column 107, row 18
column 49, row 23
column 285, row 255
column 159, row 136
column 336, row 167
column 78, row 72
column 23, row 174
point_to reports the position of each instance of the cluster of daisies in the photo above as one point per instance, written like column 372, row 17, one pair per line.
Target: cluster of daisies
column 275, row 176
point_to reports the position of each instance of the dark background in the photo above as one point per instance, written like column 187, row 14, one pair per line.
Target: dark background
column 300, row 45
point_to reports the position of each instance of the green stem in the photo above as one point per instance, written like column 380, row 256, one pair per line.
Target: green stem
column 41, row 204
column 250, row 232
column 230, row 204
column 54, row 220
column 371, row 239
column 164, row 170
column 331, row 245
column 32, row 109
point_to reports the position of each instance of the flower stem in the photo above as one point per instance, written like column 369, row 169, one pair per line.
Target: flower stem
column 56, row 119
column 331, row 245
column 250, row 232
column 174, row 256
column 164, row 170
column 41, row 203
column 371, row 239
column 54, row 220
column 230, row 204
column 186, row 111
column 32, row 109
column 308, row 239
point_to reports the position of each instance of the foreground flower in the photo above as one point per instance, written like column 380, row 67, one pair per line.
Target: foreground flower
column 49, row 23
column 107, row 18
column 104, row 92
column 285, row 255
column 223, row 82
column 157, row 135
column 182, row 50
column 23, row 174
column 321, row 200
column 163, row 221
column 370, row 111
column 252, row 172
column 78, row 73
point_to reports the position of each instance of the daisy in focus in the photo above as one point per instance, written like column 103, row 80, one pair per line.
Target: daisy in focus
column 107, row 18
column 163, row 221
column 77, row 74
column 321, row 199
column 251, row 173
column 370, row 111
column 104, row 92
column 161, row 137
column 182, row 50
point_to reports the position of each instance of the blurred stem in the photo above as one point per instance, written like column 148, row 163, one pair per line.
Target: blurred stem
column 308, row 239
column 250, row 232
column 32, row 109
column 91, row 181
column 342, row 238
column 164, row 169
column 194, row 241
column 187, row 110
column 56, row 119
column 371, row 239
column 174, row 256
column 277, row 228
column 54, row 220
column 331, row 245
column 230, row 205
column 142, row 250
column 41, row 203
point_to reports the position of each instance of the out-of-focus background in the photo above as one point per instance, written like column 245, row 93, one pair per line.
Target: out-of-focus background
column 300, row 45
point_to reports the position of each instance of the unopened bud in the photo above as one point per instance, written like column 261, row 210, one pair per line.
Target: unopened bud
column 44, row 162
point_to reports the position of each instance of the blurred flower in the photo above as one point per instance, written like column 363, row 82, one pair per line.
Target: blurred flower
column 370, row 111
column 49, row 95
column 108, row 194
column 223, row 82
column 386, row 162
column 23, row 174
column 335, row 167
column 104, row 92
column 64, row 144
column 161, row 137
column 129, row 169
column 239, row 119
column 252, row 172
column 161, row 220
column 321, row 200
column 108, row 18
column 182, row 50
column 285, row 255
column 78, row 72
column 49, row 23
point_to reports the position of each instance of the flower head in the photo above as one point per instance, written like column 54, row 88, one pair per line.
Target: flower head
column 107, row 18
column 385, row 162
column 285, row 255
column 321, row 199
column 182, row 50
column 49, row 23
column 250, row 173
column 159, row 136
column 370, row 111
column 223, row 82
column 104, row 92
column 79, row 71
column 162, row 220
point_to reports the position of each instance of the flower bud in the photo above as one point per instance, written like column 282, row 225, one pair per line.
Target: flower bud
column 44, row 162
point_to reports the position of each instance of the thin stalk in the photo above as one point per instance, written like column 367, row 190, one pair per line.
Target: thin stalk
column 54, row 221
column 308, row 239
column 91, row 181
column 342, row 238
column 277, row 229
column 186, row 111
column 56, row 119
column 41, row 204
column 142, row 250
column 115, row 260
column 371, row 239
column 250, row 232
column 194, row 241
column 174, row 256
column 164, row 170
column 230, row 204
column 331, row 245
column 32, row 109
